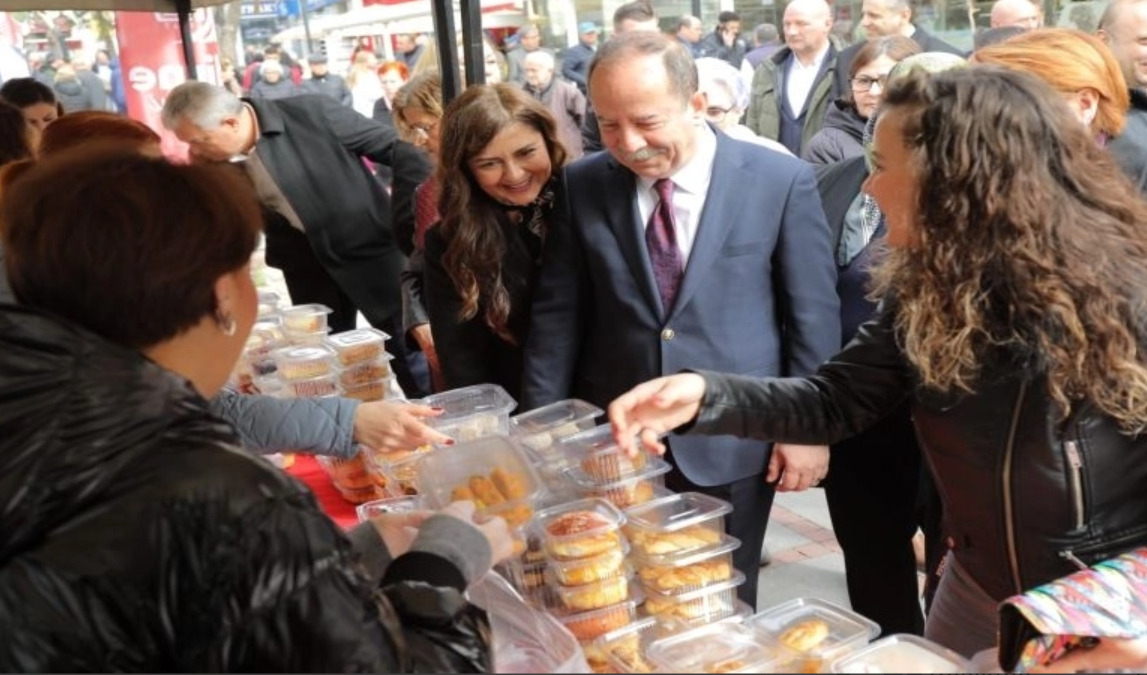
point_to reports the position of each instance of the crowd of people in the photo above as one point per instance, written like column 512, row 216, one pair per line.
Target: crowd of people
column 911, row 278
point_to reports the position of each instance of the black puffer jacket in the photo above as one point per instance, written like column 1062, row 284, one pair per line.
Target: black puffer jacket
column 1023, row 495
column 135, row 535
column 841, row 137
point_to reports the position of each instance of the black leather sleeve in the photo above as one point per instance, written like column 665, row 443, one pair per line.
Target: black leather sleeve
column 849, row 393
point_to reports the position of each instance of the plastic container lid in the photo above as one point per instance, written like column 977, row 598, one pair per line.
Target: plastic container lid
column 677, row 512
column 710, row 604
column 540, row 429
column 599, row 456
column 902, row 654
column 688, row 571
column 814, row 627
column 720, row 648
column 353, row 346
column 493, row 471
column 625, row 647
column 472, row 412
column 596, row 528
column 388, row 505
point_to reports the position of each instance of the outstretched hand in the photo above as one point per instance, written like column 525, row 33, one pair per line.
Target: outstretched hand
column 389, row 426
column 655, row 408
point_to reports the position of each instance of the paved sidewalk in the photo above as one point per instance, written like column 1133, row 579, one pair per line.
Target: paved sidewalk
column 806, row 560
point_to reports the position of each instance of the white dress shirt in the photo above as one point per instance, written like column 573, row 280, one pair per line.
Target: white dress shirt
column 800, row 80
column 690, row 186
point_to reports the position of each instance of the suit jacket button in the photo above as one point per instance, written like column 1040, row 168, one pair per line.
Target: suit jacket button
column 668, row 334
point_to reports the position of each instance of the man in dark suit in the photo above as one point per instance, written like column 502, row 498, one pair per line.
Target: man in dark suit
column 885, row 18
column 682, row 248
column 304, row 157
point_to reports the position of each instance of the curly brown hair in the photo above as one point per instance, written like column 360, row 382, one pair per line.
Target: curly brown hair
column 475, row 248
column 1030, row 244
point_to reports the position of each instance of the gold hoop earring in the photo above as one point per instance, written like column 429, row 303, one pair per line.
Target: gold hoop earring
column 226, row 322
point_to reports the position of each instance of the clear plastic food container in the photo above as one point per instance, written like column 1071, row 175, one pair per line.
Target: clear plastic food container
column 638, row 488
column 378, row 390
column 492, row 472
column 597, row 622
column 902, row 654
column 266, row 336
column 402, row 474
column 594, row 595
column 676, row 573
column 302, row 363
column 314, row 387
column 358, row 346
column 581, row 529
column 472, row 412
column 361, row 495
column 268, row 303
column 625, row 648
column 388, row 505
column 689, row 608
column 600, row 457
column 352, row 473
column 305, row 318
column 540, row 429
column 297, row 339
column 579, row 571
column 816, row 631
column 366, row 372
column 676, row 524
column 719, row 648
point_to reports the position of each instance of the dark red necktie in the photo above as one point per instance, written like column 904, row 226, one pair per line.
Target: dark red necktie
column 661, row 240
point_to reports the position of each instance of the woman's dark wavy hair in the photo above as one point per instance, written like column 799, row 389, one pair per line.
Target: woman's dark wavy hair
column 1029, row 244
column 15, row 141
column 475, row 248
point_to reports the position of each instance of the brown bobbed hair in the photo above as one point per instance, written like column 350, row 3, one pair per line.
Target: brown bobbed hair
column 1029, row 244
column 421, row 92
column 1069, row 60
column 896, row 47
column 475, row 248
column 126, row 246
column 81, row 128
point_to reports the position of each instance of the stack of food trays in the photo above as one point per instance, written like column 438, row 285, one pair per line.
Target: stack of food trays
column 354, row 479
column 626, row 649
column 306, row 324
column 306, row 371
column 813, row 632
column 540, row 431
column 903, row 654
column 718, row 648
column 363, row 364
column 684, row 559
column 600, row 469
column 491, row 472
column 255, row 363
column 586, row 571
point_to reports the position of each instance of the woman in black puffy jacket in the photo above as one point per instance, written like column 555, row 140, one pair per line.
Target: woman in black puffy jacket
column 134, row 533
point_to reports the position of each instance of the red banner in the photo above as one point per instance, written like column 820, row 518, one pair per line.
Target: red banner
column 151, row 56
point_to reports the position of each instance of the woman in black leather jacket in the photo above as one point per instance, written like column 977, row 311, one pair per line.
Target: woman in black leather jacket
column 135, row 534
column 1015, row 290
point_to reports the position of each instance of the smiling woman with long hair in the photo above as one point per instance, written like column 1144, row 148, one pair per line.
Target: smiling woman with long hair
column 1014, row 295
column 499, row 153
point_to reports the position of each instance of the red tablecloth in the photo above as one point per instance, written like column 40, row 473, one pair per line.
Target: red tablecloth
column 307, row 469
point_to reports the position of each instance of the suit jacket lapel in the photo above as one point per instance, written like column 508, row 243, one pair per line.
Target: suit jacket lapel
column 624, row 218
column 724, row 206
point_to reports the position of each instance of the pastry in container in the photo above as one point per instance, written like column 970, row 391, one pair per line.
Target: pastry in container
column 594, row 595
column 624, row 649
column 717, row 648
column 305, row 318
column 540, row 429
column 709, row 604
column 635, row 489
column 687, row 571
column 578, row 571
column 366, row 372
column 581, row 529
column 600, row 457
column 376, row 390
column 362, row 345
column 676, row 524
column 473, row 412
column 597, row 622
column 815, row 631
column 902, row 654
column 303, row 363
column 492, row 472
column 314, row 387
column 352, row 473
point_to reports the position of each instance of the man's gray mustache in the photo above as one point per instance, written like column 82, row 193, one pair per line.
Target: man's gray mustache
column 644, row 154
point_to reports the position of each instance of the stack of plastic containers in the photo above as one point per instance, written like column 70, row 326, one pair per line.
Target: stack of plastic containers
column 903, row 654
column 813, row 632
column 600, row 469
column 585, row 558
column 540, row 432
column 255, row 363
column 306, row 370
column 364, row 366
column 717, row 648
column 305, row 324
column 684, row 559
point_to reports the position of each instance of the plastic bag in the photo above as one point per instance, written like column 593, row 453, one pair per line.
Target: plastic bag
column 525, row 640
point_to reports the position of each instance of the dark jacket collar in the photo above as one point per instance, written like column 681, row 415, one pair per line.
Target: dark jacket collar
column 269, row 116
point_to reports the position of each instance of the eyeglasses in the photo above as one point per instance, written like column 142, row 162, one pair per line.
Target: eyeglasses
column 864, row 83
column 716, row 114
column 421, row 132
